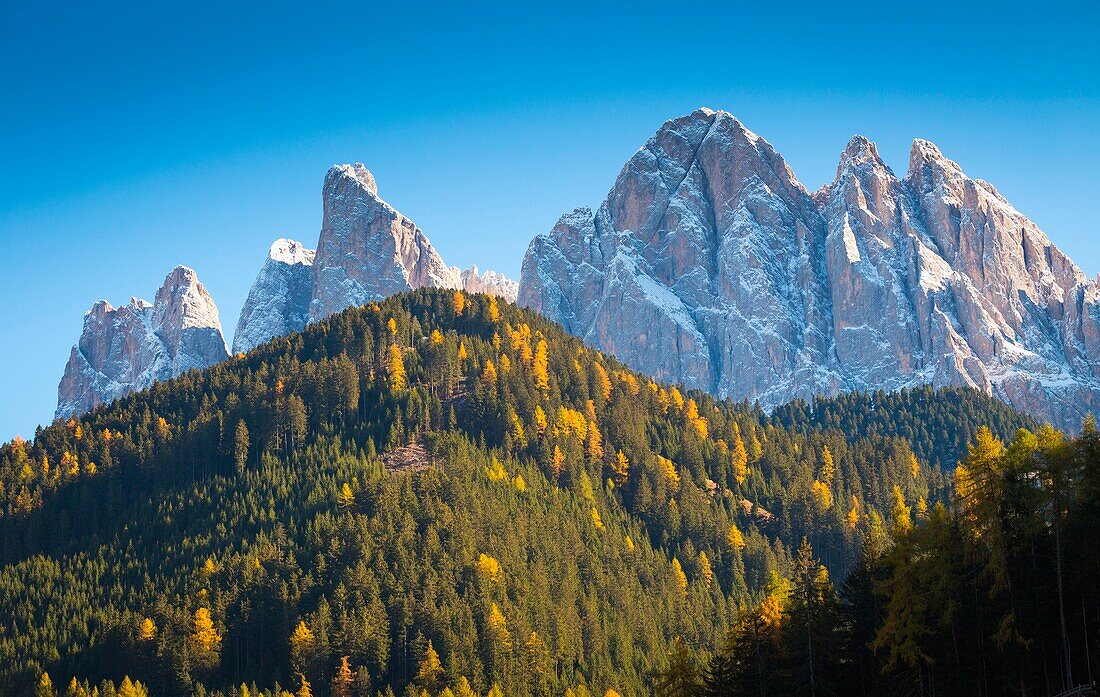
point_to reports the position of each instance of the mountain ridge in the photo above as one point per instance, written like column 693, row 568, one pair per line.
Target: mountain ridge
column 711, row 264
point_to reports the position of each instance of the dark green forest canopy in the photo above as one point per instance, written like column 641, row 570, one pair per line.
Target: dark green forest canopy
column 434, row 469
column 938, row 423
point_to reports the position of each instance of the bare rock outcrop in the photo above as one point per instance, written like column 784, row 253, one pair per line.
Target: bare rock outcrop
column 711, row 265
column 125, row 349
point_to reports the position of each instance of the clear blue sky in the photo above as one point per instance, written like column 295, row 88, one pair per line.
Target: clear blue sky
column 137, row 135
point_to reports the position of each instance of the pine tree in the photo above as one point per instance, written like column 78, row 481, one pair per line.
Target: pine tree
column 240, row 446
column 681, row 677
column 811, row 629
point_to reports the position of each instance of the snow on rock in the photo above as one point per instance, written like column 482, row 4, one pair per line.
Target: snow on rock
column 278, row 301
column 489, row 282
column 129, row 348
column 710, row 264
column 367, row 251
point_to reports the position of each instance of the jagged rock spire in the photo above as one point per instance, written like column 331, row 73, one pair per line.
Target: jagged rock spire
column 129, row 348
column 710, row 264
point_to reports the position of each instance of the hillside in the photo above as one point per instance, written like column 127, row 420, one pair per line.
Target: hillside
column 380, row 487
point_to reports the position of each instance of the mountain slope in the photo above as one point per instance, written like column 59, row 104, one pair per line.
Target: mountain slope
column 710, row 264
column 131, row 347
column 351, row 477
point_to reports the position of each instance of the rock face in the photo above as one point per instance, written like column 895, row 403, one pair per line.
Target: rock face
column 129, row 348
column 710, row 264
column 490, row 283
column 278, row 302
column 367, row 251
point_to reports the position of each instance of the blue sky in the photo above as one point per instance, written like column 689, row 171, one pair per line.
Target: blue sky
column 135, row 136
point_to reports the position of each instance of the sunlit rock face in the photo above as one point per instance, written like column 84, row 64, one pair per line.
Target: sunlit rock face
column 710, row 264
column 125, row 349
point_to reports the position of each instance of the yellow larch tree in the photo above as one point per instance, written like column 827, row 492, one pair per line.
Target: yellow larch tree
column 541, row 366
column 498, row 628
column 345, row 498
column 668, row 467
column 430, row 674
column 603, row 380
column 342, row 680
column 304, row 690
column 494, row 309
column 902, row 515
column 734, row 539
column 852, row 519
column 739, row 459
column 822, row 494
column 699, row 422
column 302, row 642
column 458, row 303
column 204, row 635
column 557, row 463
column 540, row 420
column 620, row 468
column 594, row 446
column 828, row 469
column 147, row 630
column 706, row 573
column 678, row 576
column 489, row 568
column 489, row 373
column 395, row 367
column 597, row 522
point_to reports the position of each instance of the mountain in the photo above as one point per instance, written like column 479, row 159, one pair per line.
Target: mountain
column 490, row 282
column 278, row 301
column 710, row 264
column 369, row 251
column 385, row 479
column 129, row 348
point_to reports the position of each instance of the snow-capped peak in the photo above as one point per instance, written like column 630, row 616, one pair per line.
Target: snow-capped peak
column 290, row 252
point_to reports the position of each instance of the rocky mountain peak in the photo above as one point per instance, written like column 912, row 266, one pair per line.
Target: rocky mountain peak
column 861, row 154
column 125, row 349
column 710, row 264
column 278, row 301
column 357, row 173
column 290, row 252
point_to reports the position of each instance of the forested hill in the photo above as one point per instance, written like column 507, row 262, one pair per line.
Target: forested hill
column 939, row 424
column 440, row 493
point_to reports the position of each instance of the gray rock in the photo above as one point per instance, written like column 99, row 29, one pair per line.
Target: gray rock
column 710, row 264
column 129, row 348
column 367, row 250
column 278, row 301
